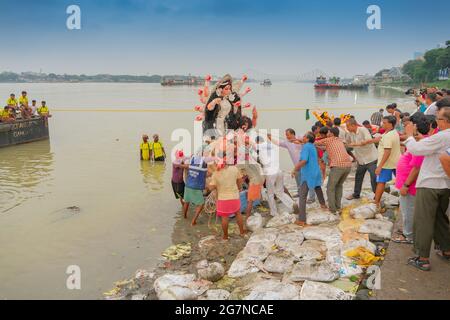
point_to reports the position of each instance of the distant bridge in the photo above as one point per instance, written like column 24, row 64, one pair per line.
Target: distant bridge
column 312, row 75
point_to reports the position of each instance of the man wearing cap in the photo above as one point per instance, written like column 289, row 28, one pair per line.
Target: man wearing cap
column 145, row 151
column 157, row 149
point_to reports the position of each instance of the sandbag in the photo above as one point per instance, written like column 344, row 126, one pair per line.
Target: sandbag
column 278, row 262
column 255, row 222
column 314, row 271
column 273, row 290
column 321, row 291
column 210, row 271
column 177, row 293
column 241, row 267
column 310, row 250
column 289, row 240
column 216, row 294
column 322, row 234
column 174, row 287
column 316, row 217
column 281, row 219
column 355, row 243
column 390, row 201
column 256, row 251
column 366, row 211
column 378, row 228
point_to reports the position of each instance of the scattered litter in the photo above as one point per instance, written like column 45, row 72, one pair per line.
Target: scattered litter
column 362, row 256
column 177, row 252
column 356, row 243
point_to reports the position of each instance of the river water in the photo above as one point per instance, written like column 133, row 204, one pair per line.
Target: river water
column 127, row 210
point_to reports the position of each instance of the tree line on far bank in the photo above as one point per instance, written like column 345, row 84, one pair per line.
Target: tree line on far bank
column 427, row 69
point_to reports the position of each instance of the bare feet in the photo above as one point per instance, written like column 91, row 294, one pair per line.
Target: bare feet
column 193, row 223
column 301, row 223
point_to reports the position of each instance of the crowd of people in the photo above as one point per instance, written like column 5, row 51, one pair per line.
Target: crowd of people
column 236, row 159
column 16, row 109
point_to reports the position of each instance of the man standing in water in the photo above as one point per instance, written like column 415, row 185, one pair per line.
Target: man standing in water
column 157, row 149
column 145, row 151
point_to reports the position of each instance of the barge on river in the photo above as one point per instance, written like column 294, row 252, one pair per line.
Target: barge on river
column 334, row 83
column 23, row 131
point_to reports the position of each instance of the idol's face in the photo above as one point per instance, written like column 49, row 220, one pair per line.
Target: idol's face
column 226, row 91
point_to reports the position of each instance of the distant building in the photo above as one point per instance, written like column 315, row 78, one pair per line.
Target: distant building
column 361, row 78
column 394, row 74
column 443, row 74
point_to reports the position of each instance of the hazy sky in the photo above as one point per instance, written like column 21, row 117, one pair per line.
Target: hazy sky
column 211, row 36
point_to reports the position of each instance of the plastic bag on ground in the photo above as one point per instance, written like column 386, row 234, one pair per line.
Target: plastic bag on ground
column 379, row 228
column 281, row 219
column 355, row 243
column 321, row 291
column 255, row 222
column 314, row 271
column 365, row 211
column 274, row 290
column 278, row 262
column 362, row 256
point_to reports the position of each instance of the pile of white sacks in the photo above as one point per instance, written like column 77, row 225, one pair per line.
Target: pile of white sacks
column 289, row 262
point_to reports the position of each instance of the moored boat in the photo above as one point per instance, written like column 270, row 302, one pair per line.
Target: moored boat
column 23, row 131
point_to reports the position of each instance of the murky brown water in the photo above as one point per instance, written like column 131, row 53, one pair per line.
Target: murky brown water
column 127, row 210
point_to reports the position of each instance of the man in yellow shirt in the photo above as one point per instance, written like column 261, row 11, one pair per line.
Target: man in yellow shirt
column 25, row 109
column 43, row 110
column 388, row 155
column 23, row 100
column 12, row 101
column 157, row 149
column 7, row 115
column 145, row 151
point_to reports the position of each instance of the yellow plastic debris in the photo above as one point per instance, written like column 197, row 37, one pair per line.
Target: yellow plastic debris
column 362, row 256
column 112, row 292
column 177, row 252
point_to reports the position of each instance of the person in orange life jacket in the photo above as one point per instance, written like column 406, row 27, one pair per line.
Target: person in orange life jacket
column 145, row 151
